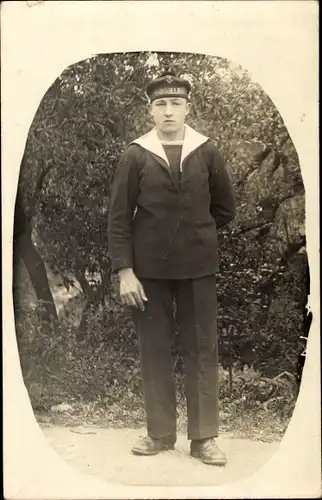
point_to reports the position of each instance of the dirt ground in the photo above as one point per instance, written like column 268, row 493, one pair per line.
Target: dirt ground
column 106, row 454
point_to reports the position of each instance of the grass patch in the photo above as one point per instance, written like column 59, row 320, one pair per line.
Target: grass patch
column 255, row 423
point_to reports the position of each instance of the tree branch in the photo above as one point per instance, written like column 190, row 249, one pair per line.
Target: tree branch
column 291, row 250
column 80, row 276
column 251, row 227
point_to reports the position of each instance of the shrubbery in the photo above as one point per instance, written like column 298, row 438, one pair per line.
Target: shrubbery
column 59, row 368
column 101, row 385
column 84, row 122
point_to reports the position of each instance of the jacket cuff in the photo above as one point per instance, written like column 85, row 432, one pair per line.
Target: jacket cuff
column 121, row 262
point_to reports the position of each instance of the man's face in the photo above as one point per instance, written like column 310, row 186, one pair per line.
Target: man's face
column 169, row 113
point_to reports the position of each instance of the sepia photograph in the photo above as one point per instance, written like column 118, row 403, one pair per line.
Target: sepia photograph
column 160, row 270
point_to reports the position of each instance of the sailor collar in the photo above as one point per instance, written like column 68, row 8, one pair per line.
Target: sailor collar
column 151, row 142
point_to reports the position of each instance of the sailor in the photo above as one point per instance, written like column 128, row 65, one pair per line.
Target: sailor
column 171, row 194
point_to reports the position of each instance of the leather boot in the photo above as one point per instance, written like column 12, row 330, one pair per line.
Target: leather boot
column 149, row 446
column 208, row 452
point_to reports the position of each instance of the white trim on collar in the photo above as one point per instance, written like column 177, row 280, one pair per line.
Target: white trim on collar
column 151, row 142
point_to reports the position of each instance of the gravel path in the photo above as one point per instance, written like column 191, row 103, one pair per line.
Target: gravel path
column 105, row 453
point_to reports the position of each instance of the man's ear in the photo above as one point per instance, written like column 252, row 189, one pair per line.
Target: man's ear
column 188, row 106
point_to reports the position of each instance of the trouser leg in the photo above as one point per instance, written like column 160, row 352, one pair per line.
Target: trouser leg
column 197, row 319
column 155, row 328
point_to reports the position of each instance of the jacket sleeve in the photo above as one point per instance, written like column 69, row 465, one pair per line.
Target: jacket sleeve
column 123, row 203
column 223, row 202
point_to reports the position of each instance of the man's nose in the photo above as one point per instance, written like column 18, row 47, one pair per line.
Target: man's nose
column 168, row 110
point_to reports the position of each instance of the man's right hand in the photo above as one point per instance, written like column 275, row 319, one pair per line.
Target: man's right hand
column 131, row 290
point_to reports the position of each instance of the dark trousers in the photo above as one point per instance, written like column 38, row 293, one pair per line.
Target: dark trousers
column 196, row 316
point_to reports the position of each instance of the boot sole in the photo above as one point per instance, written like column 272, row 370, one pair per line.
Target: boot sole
column 218, row 463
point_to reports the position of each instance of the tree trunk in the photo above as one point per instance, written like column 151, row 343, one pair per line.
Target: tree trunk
column 26, row 250
column 23, row 247
column 230, row 378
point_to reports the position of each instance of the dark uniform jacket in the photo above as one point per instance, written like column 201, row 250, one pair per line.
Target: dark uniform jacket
column 166, row 229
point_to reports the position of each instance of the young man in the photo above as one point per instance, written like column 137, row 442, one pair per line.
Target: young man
column 170, row 195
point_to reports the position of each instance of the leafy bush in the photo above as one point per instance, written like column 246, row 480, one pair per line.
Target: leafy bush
column 85, row 120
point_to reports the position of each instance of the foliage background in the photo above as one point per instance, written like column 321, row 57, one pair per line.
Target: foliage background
column 76, row 341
